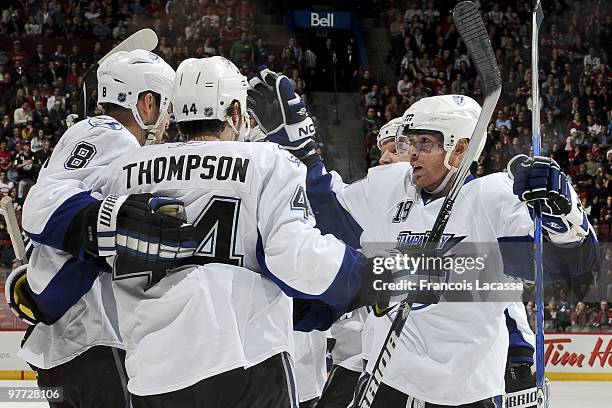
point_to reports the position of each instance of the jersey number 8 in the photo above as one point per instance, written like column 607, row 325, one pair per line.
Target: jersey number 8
column 80, row 157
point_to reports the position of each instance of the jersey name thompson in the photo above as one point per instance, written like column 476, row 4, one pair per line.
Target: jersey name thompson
column 186, row 168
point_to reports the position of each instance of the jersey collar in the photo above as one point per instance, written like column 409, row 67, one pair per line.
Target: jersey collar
column 427, row 198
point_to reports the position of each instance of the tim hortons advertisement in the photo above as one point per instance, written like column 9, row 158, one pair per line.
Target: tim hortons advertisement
column 578, row 356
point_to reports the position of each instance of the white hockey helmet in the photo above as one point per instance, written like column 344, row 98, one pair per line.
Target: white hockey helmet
column 388, row 131
column 454, row 116
column 206, row 87
column 123, row 76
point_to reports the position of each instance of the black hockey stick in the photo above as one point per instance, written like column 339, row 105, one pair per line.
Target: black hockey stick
column 474, row 34
column 145, row 39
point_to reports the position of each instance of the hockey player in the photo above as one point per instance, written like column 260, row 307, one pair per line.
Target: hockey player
column 249, row 207
column 402, row 200
column 522, row 340
column 75, row 345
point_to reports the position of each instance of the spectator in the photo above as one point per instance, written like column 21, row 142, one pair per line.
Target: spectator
column 370, row 126
column 531, row 315
column 6, row 156
column 241, row 48
column 272, row 63
column 603, row 317
column 36, row 140
column 5, row 184
column 23, row 115
column 374, row 93
column 213, row 19
column 208, row 49
column 260, row 52
column 39, row 57
column 41, row 156
column 26, row 169
column 551, row 321
column 229, row 32
column 165, row 49
column 56, row 96
column 581, row 317
column 366, row 81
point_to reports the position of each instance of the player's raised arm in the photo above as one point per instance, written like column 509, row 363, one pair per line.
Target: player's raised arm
column 302, row 261
column 340, row 209
column 571, row 246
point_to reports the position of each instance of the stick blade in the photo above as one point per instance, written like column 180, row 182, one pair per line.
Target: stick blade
column 144, row 39
column 474, row 34
column 539, row 13
column 12, row 227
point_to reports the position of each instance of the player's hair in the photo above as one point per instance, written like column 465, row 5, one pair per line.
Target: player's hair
column 111, row 108
column 207, row 127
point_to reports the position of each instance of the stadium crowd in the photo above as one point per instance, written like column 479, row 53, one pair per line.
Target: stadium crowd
column 39, row 87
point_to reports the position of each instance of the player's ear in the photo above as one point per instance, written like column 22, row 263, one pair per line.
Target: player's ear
column 460, row 149
column 151, row 102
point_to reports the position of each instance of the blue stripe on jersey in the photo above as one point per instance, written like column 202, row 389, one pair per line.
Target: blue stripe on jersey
column 331, row 217
column 54, row 233
column 517, row 339
column 70, row 283
column 560, row 261
column 342, row 290
column 320, row 316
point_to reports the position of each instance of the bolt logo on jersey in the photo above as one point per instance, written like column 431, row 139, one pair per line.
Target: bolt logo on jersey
column 105, row 122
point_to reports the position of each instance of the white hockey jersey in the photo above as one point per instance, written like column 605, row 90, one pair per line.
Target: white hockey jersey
column 65, row 287
column 249, row 206
column 449, row 353
column 310, row 363
column 347, row 332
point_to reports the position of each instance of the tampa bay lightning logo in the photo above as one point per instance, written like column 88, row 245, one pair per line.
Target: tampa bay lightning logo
column 105, row 122
column 418, row 239
column 459, row 100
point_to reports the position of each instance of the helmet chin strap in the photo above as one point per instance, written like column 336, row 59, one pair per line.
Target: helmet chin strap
column 149, row 129
column 245, row 128
column 449, row 176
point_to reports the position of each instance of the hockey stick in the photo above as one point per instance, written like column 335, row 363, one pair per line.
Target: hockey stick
column 12, row 226
column 542, row 398
column 145, row 39
column 474, row 34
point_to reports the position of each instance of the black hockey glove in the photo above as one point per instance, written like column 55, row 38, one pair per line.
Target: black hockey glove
column 393, row 278
column 149, row 231
column 540, row 179
column 280, row 113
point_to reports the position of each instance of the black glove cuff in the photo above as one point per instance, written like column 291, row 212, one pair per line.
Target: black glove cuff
column 310, row 159
column 367, row 295
column 81, row 239
column 520, row 352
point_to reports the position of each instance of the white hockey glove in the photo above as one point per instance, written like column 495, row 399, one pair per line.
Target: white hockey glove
column 540, row 179
column 148, row 232
column 280, row 113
